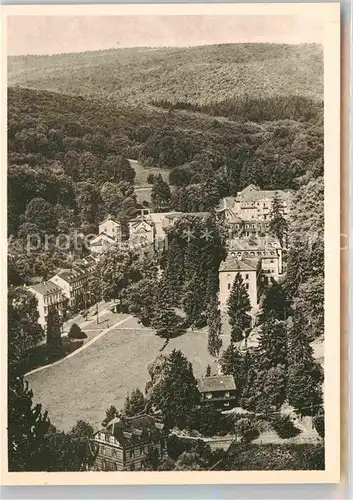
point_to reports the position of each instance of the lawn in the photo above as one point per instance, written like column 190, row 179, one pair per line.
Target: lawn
column 83, row 386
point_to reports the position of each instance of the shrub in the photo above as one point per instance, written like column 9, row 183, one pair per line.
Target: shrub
column 150, row 178
column 284, row 427
column 247, row 429
column 76, row 332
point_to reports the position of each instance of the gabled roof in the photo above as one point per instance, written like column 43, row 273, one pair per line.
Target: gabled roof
column 235, row 264
column 101, row 237
column 45, row 288
column 130, row 430
column 109, row 217
column 70, row 275
column 226, row 203
column 215, row 383
column 252, row 193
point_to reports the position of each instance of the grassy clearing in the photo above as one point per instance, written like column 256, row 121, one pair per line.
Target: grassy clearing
column 83, row 386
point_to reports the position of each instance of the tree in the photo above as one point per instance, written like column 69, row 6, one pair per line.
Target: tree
column 23, row 330
column 214, row 330
column 41, row 213
column 208, row 371
column 278, row 225
column 174, row 390
column 164, row 319
column 81, row 430
column 151, row 460
column 140, row 298
column 272, row 344
column 305, row 376
column 238, row 308
column 150, row 178
column 275, row 301
column 27, row 429
column 284, row 427
column 135, row 403
column 34, row 444
column 115, row 271
column 76, row 332
column 53, row 331
column 160, row 194
column 319, row 424
column 110, row 413
column 247, row 430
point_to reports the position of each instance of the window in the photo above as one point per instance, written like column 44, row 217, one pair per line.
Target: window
column 247, row 286
column 246, row 276
column 208, row 395
column 132, row 454
column 229, row 286
column 227, row 395
column 141, row 450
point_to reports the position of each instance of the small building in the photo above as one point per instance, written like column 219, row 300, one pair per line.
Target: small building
column 49, row 295
column 219, row 390
column 124, row 442
column 111, row 227
column 100, row 243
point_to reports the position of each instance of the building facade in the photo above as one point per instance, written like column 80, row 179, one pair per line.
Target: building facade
column 265, row 249
column 74, row 286
column 253, row 203
column 111, row 227
column 248, row 270
column 124, row 443
column 49, row 295
column 219, row 390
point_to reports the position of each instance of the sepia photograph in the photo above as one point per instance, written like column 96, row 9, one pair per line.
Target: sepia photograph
column 172, row 228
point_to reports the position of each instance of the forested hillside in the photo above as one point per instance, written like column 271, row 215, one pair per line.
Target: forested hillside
column 197, row 75
column 217, row 118
column 69, row 151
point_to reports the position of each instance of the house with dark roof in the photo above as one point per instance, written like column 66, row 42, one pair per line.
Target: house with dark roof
column 219, row 390
column 125, row 441
column 49, row 296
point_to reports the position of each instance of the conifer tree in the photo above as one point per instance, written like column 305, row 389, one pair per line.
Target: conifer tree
column 305, row 376
column 110, row 413
column 175, row 392
column 160, row 195
column 238, row 307
column 135, row 403
column 278, row 225
column 54, row 341
column 214, row 329
column 272, row 348
column 275, row 302
column 164, row 319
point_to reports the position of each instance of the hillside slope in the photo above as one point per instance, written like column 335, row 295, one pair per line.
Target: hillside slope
column 198, row 75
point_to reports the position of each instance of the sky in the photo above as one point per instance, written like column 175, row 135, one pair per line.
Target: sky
column 60, row 34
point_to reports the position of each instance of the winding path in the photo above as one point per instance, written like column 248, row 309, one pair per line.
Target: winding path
column 89, row 343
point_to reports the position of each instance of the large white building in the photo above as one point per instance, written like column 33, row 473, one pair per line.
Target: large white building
column 253, row 204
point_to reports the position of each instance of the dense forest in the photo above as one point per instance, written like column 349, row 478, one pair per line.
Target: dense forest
column 68, row 154
column 199, row 75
